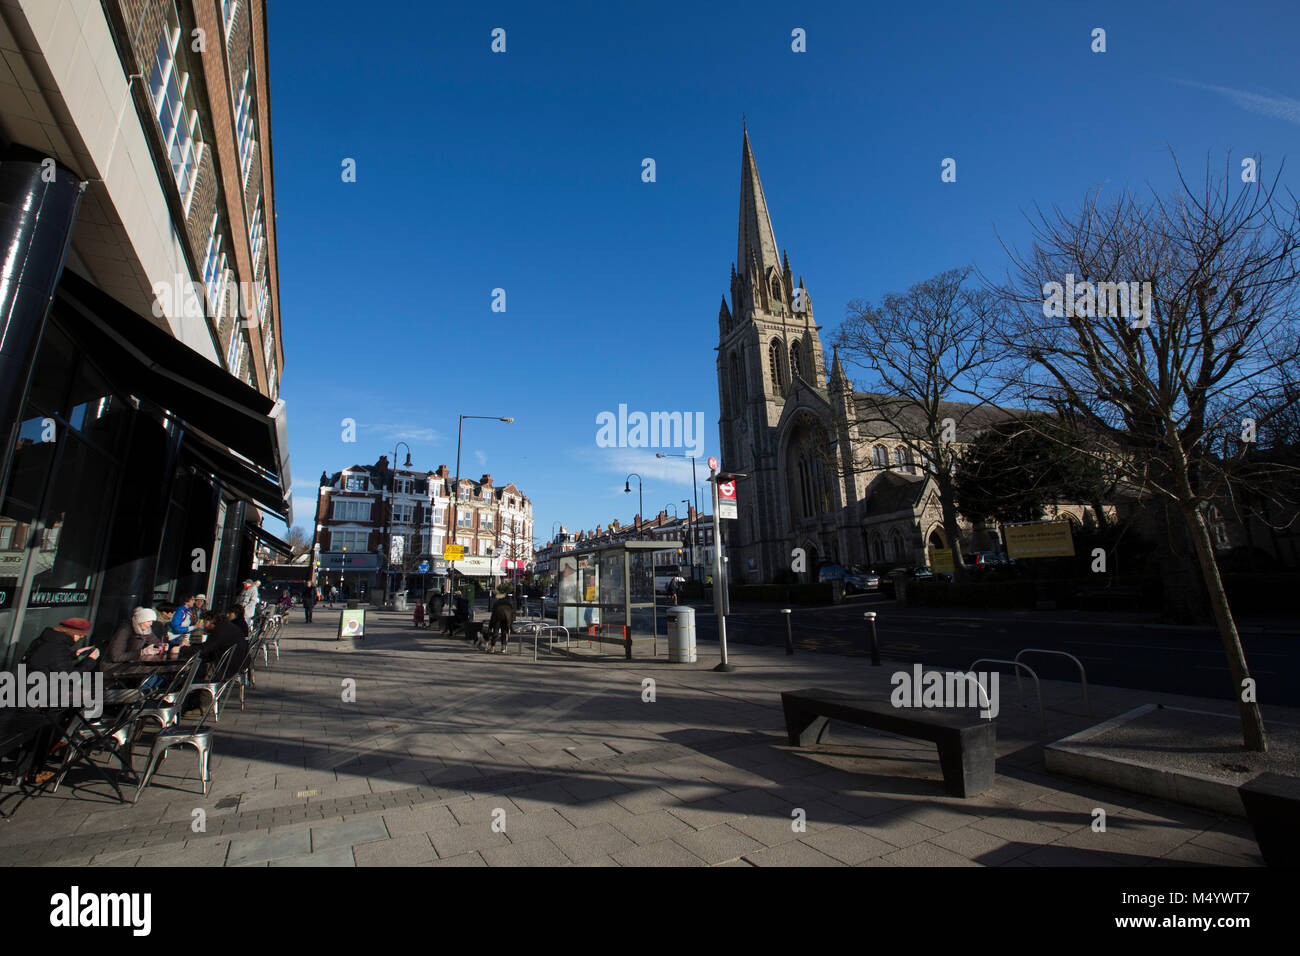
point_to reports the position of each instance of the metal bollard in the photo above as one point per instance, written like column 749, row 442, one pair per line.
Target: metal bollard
column 789, row 641
column 871, row 636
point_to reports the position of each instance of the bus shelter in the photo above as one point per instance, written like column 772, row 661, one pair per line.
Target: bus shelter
column 607, row 592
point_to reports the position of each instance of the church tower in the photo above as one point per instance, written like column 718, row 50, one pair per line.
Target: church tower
column 768, row 347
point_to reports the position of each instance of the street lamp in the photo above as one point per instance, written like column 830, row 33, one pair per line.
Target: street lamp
column 696, row 494
column 455, row 498
column 690, row 535
column 640, row 500
column 388, row 558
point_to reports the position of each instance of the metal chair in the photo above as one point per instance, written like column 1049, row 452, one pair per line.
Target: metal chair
column 218, row 688
column 87, row 737
column 167, row 707
column 196, row 737
column 271, row 638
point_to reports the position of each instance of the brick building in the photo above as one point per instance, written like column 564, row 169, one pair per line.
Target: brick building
column 372, row 520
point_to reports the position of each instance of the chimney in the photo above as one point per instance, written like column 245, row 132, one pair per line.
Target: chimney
column 485, row 480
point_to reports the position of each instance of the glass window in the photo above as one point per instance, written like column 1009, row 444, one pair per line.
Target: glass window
column 351, row 540
column 350, row 509
column 356, row 483
column 227, row 14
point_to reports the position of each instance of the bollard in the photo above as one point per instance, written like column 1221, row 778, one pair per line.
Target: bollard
column 871, row 635
column 789, row 641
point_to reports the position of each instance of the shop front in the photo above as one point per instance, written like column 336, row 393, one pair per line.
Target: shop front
column 133, row 469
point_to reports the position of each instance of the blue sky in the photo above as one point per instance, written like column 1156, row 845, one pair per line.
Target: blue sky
column 522, row 171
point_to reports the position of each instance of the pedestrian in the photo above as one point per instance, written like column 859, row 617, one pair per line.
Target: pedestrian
column 248, row 600
column 418, row 614
column 309, row 600
column 672, row 590
column 334, row 595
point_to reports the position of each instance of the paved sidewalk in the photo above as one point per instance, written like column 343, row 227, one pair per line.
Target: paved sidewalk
column 451, row 757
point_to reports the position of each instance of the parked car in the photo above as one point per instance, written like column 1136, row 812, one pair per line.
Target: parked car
column 888, row 584
column 860, row 580
column 830, row 572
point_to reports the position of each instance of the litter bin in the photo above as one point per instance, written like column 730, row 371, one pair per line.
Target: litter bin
column 399, row 601
column 352, row 604
column 681, row 635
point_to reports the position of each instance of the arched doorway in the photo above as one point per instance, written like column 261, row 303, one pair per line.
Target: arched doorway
column 814, row 559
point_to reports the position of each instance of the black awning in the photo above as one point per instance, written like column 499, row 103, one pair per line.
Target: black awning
column 156, row 366
column 236, row 476
column 261, row 534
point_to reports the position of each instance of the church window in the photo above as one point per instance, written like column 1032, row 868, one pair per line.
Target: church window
column 896, row 545
column 737, row 382
column 776, row 361
column 776, row 290
column 881, row 456
column 795, row 370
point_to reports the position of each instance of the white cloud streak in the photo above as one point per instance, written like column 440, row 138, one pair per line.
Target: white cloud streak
column 1278, row 107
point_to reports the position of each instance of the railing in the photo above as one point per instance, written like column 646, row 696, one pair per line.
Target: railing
column 1042, row 714
column 1083, row 677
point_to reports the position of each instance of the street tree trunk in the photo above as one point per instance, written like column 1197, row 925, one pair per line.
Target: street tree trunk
column 951, row 529
column 1252, row 721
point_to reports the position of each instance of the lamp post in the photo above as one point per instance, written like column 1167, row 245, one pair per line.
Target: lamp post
column 640, row 500
column 695, row 493
column 455, row 496
column 388, row 558
column 690, row 536
column 676, row 516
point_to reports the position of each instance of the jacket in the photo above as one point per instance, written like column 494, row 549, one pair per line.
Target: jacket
column 55, row 652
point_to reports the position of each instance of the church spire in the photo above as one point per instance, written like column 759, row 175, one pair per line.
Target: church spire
column 755, row 238
column 839, row 381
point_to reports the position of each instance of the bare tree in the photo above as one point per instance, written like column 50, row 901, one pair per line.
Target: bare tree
column 1159, row 324
column 298, row 540
column 930, row 354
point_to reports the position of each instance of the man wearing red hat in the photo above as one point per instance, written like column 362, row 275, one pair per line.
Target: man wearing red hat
column 55, row 651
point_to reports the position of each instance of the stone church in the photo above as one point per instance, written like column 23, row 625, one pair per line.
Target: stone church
column 820, row 478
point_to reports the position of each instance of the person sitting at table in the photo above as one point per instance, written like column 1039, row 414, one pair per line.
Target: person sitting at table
column 181, row 623
column 134, row 635
column 55, row 651
column 226, row 633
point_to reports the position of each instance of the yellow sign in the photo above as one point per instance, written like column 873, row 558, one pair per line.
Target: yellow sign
column 590, row 596
column 941, row 560
column 453, row 552
column 1039, row 539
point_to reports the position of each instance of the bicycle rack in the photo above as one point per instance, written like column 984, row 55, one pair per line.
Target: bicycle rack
column 539, row 631
column 987, row 705
column 1042, row 714
column 1083, row 677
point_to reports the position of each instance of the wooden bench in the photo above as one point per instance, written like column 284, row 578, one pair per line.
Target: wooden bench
column 967, row 742
column 1272, row 802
